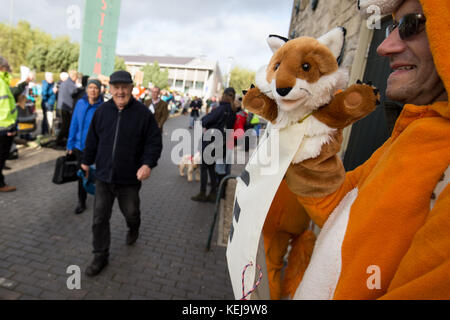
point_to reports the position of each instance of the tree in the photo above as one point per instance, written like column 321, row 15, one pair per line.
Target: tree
column 153, row 74
column 22, row 45
column 119, row 64
column 62, row 55
column 36, row 58
column 241, row 79
column 15, row 43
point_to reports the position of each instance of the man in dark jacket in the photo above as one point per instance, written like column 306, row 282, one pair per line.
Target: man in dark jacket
column 196, row 106
column 125, row 143
column 65, row 107
column 220, row 118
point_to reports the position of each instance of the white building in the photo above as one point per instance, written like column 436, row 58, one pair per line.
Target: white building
column 196, row 76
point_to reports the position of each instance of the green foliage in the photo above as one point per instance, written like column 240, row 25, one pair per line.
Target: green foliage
column 22, row 45
column 36, row 58
column 241, row 79
column 119, row 64
column 62, row 55
column 153, row 74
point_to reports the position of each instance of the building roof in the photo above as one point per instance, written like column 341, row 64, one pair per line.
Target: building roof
column 161, row 60
column 189, row 62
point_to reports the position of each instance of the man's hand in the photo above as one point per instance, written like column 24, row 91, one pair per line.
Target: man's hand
column 143, row 173
column 85, row 169
column 11, row 134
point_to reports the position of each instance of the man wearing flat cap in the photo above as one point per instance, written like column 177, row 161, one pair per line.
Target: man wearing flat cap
column 125, row 143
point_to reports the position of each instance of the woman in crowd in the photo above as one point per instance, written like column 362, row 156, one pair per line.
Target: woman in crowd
column 79, row 126
column 48, row 102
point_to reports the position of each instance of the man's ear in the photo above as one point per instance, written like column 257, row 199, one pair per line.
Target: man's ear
column 276, row 42
column 334, row 40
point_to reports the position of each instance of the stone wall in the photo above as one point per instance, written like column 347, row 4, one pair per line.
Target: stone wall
column 328, row 15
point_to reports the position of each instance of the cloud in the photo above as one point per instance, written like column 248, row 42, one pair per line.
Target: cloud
column 215, row 28
column 238, row 35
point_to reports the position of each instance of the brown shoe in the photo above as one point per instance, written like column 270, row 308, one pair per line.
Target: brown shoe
column 7, row 188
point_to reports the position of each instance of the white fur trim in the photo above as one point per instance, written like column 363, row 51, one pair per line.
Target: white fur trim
column 310, row 148
column 385, row 6
column 318, row 135
column 334, row 40
column 324, row 269
column 261, row 81
column 441, row 185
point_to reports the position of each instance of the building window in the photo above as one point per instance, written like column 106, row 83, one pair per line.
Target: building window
column 199, row 85
column 179, row 84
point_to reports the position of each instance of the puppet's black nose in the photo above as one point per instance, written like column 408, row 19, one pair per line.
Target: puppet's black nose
column 284, row 91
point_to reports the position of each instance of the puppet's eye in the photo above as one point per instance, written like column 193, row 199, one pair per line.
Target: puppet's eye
column 306, row 67
column 276, row 67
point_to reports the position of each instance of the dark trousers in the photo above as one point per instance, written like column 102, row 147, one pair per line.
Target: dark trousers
column 44, row 125
column 207, row 168
column 66, row 118
column 129, row 202
column 5, row 147
column 204, row 170
column 82, row 194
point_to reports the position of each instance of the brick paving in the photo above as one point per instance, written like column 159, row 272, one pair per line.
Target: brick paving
column 40, row 236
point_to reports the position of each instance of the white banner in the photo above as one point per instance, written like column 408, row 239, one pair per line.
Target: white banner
column 255, row 191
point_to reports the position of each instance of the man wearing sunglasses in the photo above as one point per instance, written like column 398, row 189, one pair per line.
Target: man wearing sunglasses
column 415, row 79
column 386, row 229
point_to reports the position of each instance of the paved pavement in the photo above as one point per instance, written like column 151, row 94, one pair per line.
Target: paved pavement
column 40, row 237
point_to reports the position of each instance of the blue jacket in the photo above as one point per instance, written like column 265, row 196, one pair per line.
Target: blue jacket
column 48, row 96
column 81, row 120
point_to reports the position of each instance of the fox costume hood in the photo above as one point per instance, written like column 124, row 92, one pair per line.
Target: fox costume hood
column 386, row 229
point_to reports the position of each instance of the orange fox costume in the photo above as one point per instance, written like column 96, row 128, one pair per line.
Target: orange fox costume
column 383, row 206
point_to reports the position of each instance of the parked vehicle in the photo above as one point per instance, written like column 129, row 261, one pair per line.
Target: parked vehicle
column 26, row 118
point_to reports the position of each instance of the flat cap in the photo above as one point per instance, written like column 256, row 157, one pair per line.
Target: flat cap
column 120, row 76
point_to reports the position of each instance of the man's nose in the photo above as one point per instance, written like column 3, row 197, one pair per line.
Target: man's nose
column 391, row 45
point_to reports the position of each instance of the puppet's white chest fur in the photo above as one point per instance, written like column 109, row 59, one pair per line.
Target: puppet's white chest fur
column 317, row 135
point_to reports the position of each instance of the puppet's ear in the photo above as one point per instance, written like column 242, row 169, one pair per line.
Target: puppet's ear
column 276, row 42
column 334, row 40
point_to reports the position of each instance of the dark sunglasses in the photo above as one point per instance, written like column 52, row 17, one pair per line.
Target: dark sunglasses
column 409, row 25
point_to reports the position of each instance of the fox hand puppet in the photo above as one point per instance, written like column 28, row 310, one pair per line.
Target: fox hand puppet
column 304, row 84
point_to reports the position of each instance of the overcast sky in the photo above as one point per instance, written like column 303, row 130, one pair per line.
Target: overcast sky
column 217, row 29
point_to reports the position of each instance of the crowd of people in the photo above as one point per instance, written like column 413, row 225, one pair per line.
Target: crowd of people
column 120, row 135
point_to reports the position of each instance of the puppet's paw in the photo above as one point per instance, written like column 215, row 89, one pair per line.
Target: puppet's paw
column 253, row 100
column 361, row 99
column 258, row 103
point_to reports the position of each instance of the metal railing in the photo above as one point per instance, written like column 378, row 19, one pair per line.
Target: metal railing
column 216, row 212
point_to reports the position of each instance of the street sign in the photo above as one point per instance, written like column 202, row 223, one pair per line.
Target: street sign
column 98, row 46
